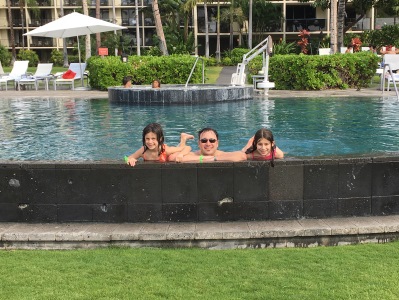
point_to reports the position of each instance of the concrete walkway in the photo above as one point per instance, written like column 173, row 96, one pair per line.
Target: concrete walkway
column 209, row 235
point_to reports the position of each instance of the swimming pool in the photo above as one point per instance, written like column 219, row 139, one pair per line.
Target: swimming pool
column 76, row 129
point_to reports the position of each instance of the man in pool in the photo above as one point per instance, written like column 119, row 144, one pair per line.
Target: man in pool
column 208, row 142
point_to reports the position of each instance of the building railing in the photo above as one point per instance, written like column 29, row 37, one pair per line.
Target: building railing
column 295, row 25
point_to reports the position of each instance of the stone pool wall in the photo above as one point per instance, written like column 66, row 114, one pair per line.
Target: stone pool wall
column 153, row 192
column 179, row 94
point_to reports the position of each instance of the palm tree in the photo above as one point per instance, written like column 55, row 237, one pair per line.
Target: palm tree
column 188, row 8
column 233, row 14
column 98, row 35
column 340, row 23
column 12, row 37
column 218, row 34
column 159, row 28
column 64, row 47
column 88, row 43
column 206, row 29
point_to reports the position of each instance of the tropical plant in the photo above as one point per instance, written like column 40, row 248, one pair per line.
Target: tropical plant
column 56, row 57
column 356, row 43
column 28, row 55
column 304, row 41
column 5, row 56
column 284, row 48
column 233, row 14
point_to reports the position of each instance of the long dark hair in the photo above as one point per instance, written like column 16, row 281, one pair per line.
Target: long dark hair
column 157, row 129
column 262, row 133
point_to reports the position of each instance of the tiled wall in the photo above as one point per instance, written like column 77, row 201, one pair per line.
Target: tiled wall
column 155, row 192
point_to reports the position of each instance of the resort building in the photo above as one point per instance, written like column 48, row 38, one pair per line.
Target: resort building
column 296, row 16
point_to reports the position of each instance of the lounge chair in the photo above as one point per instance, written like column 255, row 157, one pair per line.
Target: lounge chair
column 324, row 51
column 78, row 68
column 391, row 63
column 2, row 73
column 18, row 70
column 43, row 72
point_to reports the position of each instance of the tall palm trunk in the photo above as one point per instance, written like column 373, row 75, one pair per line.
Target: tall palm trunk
column 98, row 35
column 88, row 43
column 12, row 35
column 231, row 39
column 218, row 34
column 159, row 28
column 206, row 30
column 64, row 44
column 340, row 23
column 333, row 26
column 22, row 11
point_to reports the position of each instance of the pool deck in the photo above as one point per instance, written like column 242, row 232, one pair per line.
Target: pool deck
column 208, row 235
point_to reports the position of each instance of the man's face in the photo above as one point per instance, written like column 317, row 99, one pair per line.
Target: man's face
column 205, row 143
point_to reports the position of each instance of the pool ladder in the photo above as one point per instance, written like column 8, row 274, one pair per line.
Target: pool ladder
column 193, row 68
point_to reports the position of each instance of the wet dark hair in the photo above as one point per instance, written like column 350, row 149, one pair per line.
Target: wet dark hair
column 157, row 129
column 156, row 80
column 208, row 129
column 262, row 133
column 126, row 79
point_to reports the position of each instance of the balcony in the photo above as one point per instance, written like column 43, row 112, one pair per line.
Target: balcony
column 73, row 2
column 128, row 3
column 42, row 42
column 102, row 3
column 311, row 25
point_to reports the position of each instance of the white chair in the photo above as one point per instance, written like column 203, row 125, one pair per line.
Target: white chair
column 43, row 72
column 18, row 70
column 391, row 63
column 343, row 50
column 78, row 68
column 365, row 48
column 2, row 73
column 324, row 51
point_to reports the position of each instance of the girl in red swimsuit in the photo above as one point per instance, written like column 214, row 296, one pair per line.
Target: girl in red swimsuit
column 154, row 149
column 262, row 147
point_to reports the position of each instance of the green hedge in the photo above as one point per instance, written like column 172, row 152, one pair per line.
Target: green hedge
column 173, row 69
column 319, row 72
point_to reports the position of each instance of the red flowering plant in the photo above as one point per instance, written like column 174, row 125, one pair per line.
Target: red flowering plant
column 304, row 41
column 356, row 42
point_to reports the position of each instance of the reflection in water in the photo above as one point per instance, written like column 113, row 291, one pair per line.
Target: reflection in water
column 74, row 129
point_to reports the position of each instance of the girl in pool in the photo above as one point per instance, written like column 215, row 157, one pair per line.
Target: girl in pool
column 154, row 149
column 262, row 147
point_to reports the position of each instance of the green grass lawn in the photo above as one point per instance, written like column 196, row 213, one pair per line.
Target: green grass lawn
column 346, row 272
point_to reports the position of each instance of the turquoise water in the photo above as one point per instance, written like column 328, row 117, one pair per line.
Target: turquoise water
column 75, row 129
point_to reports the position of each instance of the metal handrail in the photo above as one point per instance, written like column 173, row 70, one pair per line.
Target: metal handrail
column 193, row 68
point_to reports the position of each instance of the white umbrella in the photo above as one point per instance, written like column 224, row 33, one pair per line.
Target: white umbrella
column 73, row 24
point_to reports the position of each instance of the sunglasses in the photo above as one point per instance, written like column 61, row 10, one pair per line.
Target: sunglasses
column 206, row 140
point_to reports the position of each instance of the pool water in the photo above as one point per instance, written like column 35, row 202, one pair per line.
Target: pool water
column 76, row 129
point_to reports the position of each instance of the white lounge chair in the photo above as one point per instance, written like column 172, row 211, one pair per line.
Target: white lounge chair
column 391, row 63
column 324, row 51
column 2, row 73
column 43, row 72
column 18, row 70
column 78, row 68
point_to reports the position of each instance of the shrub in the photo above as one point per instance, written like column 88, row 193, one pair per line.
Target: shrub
column 173, row 69
column 28, row 55
column 314, row 72
column 57, row 58
column 5, row 56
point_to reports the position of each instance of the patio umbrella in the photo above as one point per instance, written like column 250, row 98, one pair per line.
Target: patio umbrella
column 73, row 24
